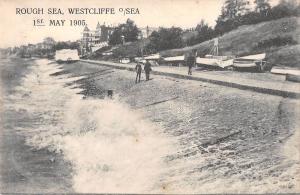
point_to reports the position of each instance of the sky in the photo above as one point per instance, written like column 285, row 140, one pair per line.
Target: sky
column 18, row 29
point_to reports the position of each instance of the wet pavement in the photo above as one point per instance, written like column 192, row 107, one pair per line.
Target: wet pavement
column 225, row 137
column 259, row 82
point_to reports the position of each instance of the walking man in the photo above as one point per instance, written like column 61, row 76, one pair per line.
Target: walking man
column 138, row 69
column 147, row 69
column 190, row 62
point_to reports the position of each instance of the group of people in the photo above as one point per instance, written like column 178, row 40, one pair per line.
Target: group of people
column 138, row 69
column 190, row 61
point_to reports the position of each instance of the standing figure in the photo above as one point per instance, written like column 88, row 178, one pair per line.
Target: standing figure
column 138, row 69
column 190, row 62
column 147, row 69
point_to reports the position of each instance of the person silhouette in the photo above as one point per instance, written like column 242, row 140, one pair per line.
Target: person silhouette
column 138, row 69
column 190, row 61
column 147, row 69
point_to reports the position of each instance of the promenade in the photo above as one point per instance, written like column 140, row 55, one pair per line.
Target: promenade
column 277, row 86
column 219, row 133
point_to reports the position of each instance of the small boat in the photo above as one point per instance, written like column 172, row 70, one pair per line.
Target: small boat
column 152, row 57
column 291, row 74
column 255, row 57
column 213, row 59
column 293, row 78
column 207, row 61
column 175, row 61
column 285, row 71
column 244, row 63
column 252, row 61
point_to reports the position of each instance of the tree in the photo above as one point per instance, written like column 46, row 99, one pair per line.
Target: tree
column 49, row 40
column 129, row 30
column 231, row 15
column 165, row 38
column 234, row 8
column 204, row 32
column 235, row 13
column 22, row 51
column 152, row 47
column 262, row 7
column 170, row 38
column 224, row 25
column 66, row 45
column 285, row 8
column 115, row 38
column 242, row 7
column 49, row 44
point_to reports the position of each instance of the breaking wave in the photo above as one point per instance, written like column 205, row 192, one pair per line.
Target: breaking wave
column 110, row 147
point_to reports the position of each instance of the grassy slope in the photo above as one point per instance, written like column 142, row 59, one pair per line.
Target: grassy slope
column 130, row 49
column 243, row 40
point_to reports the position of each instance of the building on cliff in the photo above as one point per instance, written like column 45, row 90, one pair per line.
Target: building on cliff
column 93, row 40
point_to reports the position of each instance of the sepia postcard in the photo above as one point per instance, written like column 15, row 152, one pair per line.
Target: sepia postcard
column 150, row 97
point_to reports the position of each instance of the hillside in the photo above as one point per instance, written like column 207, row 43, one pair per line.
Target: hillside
column 129, row 49
column 280, row 39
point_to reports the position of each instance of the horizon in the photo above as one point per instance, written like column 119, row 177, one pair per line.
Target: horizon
column 17, row 30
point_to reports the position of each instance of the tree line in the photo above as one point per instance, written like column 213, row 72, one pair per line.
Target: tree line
column 234, row 13
column 46, row 48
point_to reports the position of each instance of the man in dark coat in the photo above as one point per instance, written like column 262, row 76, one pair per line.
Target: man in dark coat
column 147, row 69
column 190, row 62
column 138, row 69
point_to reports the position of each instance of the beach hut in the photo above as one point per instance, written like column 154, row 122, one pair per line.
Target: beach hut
column 66, row 55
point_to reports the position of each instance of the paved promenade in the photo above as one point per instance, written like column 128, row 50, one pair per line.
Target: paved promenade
column 273, row 87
